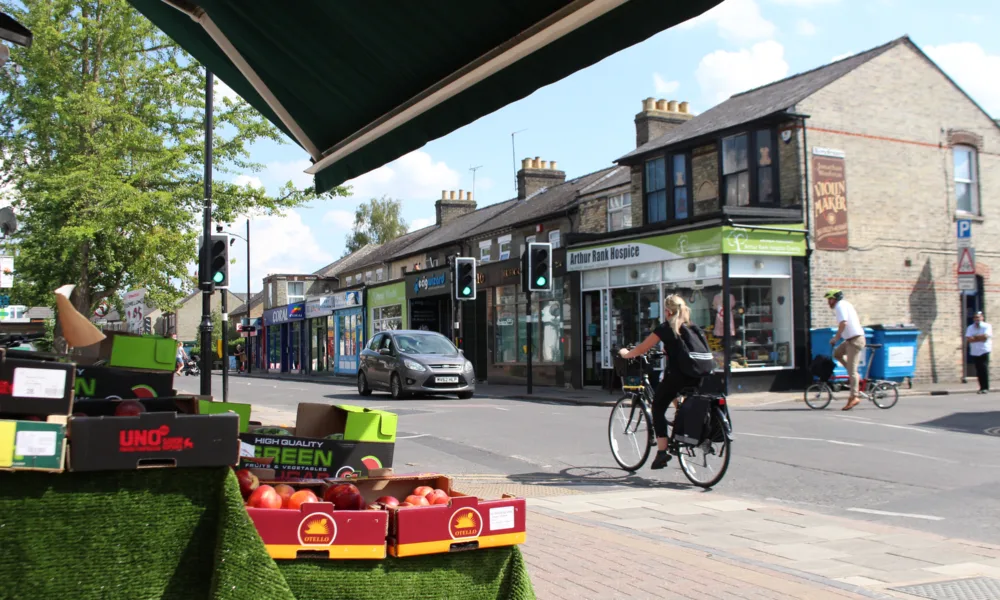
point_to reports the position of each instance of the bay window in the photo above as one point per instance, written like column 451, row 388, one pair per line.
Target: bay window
column 736, row 170
column 680, row 184
column 656, row 190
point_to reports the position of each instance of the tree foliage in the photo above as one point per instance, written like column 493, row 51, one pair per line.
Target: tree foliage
column 103, row 143
column 376, row 222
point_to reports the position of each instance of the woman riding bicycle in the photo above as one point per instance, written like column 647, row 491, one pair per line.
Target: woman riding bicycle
column 678, row 316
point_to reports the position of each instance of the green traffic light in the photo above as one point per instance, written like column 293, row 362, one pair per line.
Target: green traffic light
column 540, row 281
column 218, row 277
column 466, row 291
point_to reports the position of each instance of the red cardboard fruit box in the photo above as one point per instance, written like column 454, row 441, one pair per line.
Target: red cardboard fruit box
column 315, row 530
column 465, row 523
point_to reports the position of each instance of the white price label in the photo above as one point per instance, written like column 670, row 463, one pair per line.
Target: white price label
column 39, row 383
column 502, row 518
column 35, row 443
column 246, row 450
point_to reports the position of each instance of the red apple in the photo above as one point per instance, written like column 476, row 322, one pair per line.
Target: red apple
column 423, row 491
column 264, row 497
column 337, row 489
column 301, row 497
column 285, row 491
column 248, row 482
column 438, row 497
column 417, row 500
column 388, row 501
column 129, row 408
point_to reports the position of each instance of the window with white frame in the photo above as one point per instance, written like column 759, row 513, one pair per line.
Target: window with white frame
column 368, row 275
column 619, row 212
column 504, row 243
column 350, row 279
column 966, row 182
column 296, row 291
column 485, row 247
column 555, row 238
column 378, row 275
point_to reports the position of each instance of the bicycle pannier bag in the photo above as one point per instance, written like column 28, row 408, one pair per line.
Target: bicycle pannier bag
column 691, row 422
column 822, row 368
column 693, row 357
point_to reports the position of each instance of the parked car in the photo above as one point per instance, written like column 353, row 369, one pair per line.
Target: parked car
column 406, row 362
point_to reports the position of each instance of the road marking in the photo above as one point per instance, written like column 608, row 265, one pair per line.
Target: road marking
column 801, row 439
column 864, row 421
column 887, row 513
column 500, row 408
column 411, row 437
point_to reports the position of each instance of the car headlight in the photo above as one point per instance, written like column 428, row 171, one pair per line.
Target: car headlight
column 414, row 365
column 468, row 367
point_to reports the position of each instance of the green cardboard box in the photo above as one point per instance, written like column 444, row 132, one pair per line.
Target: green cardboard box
column 32, row 446
column 129, row 351
column 208, row 407
column 367, row 424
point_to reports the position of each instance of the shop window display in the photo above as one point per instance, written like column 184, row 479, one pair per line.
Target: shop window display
column 511, row 325
column 386, row 318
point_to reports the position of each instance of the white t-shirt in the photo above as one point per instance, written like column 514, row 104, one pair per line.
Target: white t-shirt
column 845, row 312
column 980, row 348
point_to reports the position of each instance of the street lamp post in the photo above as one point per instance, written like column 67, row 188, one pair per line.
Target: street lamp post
column 247, row 349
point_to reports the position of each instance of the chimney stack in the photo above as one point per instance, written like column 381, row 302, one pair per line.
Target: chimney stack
column 449, row 207
column 536, row 174
column 659, row 117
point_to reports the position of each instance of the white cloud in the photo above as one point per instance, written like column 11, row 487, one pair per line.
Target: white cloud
column 414, row 176
column 805, row 27
column 969, row 65
column 420, row 223
column 221, row 91
column 804, row 3
column 242, row 180
column 736, row 20
column 663, row 86
column 276, row 174
column 280, row 245
column 340, row 219
column 722, row 74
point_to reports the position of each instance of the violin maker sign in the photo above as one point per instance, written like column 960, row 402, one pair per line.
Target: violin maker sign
column 829, row 200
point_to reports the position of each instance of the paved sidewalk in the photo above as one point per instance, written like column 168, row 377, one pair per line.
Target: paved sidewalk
column 857, row 554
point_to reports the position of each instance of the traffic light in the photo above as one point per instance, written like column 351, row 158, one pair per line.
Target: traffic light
column 465, row 278
column 539, row 267
column 147, row 326
column 218, row 261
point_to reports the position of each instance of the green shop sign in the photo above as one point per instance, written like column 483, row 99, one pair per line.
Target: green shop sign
column 702, row 242
column 387, row 294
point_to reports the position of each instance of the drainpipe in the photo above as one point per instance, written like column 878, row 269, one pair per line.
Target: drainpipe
column 808, row 266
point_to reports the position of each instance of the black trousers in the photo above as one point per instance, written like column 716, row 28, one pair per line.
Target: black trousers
column 669, row 389
column 982, row 363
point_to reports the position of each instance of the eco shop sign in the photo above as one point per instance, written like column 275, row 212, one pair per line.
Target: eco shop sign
column 704, row 242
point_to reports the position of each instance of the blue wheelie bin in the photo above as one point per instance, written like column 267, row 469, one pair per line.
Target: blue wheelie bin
column 819, row 339
column 896, row 360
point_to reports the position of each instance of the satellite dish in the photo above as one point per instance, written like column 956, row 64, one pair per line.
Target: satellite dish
column 8, row 222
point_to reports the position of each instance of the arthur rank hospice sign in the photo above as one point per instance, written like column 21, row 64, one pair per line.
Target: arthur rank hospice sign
column 829, row 201
column 601, row 256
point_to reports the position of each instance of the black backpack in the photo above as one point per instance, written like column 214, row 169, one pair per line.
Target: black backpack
column 690, row 353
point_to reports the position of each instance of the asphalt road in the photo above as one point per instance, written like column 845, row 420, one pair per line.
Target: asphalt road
column 930, row 463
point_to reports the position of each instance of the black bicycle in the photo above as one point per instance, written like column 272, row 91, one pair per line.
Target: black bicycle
column 630, row 427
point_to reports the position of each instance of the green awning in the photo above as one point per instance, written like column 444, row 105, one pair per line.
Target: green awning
column 359, row 84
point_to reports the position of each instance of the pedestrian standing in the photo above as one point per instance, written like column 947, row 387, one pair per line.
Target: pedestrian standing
column 848, row 353
column 980, row 338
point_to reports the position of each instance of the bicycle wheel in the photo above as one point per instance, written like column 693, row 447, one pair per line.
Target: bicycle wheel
column 818, row 396
column 630, row 433
column 885, row 394
column 705, row 464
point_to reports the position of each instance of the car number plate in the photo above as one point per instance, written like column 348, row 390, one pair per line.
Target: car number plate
column 447, row 379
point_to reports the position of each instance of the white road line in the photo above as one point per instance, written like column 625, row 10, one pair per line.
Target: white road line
column 500, row 408
column 800, row 439
column 864, row 421
column 411, row 437
column 887, row 513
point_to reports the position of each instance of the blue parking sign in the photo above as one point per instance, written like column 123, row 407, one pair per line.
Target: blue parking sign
column 964, row 229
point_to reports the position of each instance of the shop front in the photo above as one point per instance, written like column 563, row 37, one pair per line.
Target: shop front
column 286, row 339
column 346, row 332
column 428, row 295
column 499, row 326
column 318, row 311
column 386, row 307
column 743, row 284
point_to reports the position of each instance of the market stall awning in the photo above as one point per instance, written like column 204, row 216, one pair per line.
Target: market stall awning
column 13, row 32
column 359, row 84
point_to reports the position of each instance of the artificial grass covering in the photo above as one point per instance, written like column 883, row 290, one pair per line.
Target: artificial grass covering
column 184, row 533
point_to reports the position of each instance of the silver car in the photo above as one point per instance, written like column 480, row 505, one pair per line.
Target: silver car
column 409, row 362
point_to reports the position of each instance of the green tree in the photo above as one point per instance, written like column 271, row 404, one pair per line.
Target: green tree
column 102, row 142
column 376, row 222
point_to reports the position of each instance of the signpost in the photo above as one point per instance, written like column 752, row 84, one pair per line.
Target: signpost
column 966, row 269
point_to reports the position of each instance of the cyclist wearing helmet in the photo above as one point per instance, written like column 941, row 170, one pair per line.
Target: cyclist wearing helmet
column 848, row 353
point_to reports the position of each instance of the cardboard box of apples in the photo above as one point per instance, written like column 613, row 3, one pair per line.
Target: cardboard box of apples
column 407, row 515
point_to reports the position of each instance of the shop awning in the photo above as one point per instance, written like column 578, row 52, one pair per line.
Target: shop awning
column 13, row 32
column 359, row 84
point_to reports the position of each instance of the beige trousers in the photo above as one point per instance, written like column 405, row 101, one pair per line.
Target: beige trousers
column 849, row 355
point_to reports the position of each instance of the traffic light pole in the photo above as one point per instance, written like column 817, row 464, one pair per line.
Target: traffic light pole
column 225, row 346
column 527, row 294
column 246, row 347
column 203, row 271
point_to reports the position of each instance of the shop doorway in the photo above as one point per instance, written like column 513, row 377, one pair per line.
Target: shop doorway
column 318, row 343
column 473, row 334
column 973, row 302
column 348, row 339
column 431, row 314
column 592, row 330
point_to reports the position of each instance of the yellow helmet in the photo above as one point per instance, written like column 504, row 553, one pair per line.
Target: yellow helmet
column 835, row 294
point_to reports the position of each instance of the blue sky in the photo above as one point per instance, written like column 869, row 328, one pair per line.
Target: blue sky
column 585, row 121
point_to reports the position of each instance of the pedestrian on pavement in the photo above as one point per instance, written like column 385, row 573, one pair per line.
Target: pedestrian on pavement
column 848, row 353
column 980, row 338
column 181, row 357
column 677, row 315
